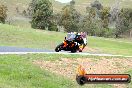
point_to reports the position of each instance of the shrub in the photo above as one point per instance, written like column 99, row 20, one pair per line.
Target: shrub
column 3, row 14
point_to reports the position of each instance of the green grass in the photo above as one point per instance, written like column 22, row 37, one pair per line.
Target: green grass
column 113, row 46
column 32, row 38
column 21, row 23
column 129, row 72
column 18, row 71
column 15, row 36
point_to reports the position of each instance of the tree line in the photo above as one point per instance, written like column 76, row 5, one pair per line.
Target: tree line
column 98, row 20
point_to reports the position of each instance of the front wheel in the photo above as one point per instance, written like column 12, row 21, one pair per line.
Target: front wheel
column 58, row 48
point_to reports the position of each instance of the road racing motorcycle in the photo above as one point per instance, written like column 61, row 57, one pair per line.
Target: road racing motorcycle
column 69, row 44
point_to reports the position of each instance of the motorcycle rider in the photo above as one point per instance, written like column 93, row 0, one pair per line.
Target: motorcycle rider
column 80, row 41
column 84, row 36
column 79, row 38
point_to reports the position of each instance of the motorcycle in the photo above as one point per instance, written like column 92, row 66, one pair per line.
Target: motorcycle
column 69, row 45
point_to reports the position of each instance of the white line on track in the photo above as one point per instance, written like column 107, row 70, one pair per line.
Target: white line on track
column 65, row 53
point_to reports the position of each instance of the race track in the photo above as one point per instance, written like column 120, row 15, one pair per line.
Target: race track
column 18, row 50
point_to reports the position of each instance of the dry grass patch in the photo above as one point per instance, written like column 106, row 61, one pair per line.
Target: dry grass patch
column 68, row 67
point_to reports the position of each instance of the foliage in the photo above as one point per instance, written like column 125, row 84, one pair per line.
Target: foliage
column 31, row 7
column 42, row 14
column 98, row 20
column 104, row 15
column 69, row 17
column 106, row 32
column 52, row 27
column 72, row 2
column 24, row 13
column 124, row 21
column 3, row 13
column 97, row 5
column 88, row 25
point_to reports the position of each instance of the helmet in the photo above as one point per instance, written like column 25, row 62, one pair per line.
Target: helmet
column 78, row 37
column 75, row 33
column 78, row 34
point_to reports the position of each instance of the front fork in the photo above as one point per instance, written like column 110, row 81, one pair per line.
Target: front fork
column 65, row 44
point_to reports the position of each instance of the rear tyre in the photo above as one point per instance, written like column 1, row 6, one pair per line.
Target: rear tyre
column 74, row 50
column 80, row 50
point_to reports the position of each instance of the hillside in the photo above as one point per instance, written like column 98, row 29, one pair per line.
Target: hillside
column 31, row 38
column 17, row 20
column 23, row 4
column 80, row 4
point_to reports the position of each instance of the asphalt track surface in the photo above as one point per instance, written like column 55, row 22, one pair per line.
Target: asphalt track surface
column 19, row 50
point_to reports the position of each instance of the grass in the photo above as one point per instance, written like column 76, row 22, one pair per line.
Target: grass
column 21, row 23
column 129, row 72
column 113, row 46
column 32, row 38
column 17, row 71
column 15, row 36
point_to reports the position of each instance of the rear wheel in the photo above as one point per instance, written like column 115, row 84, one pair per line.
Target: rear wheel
column 74, row 50
column 80, row 50
column 58, row 48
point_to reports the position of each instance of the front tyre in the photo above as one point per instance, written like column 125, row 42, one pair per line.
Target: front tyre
column 58, row 48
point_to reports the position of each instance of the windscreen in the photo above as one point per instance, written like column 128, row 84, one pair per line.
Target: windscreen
column 70, row 37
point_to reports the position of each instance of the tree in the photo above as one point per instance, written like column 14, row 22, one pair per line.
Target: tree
column 72, row 3
column 31, row 7
column 53, row 27
column 114, row 11
column 42, row 14
column 3, row 14
column 69, row 17
column 88, row 22
column 97, row 5
column 104, row 15
column 123, row 23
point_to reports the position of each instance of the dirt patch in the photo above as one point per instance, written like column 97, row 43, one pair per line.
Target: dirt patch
column 68, row 67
